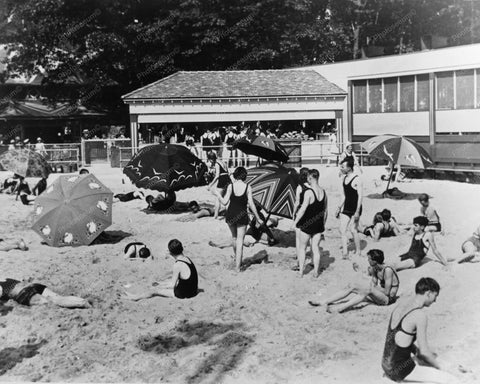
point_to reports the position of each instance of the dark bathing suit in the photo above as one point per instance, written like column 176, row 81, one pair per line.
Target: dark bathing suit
column 397, row 362
column 189, row 287
column 137, row 246
column 351, row 198
column 416, row 251
column 223, row 178
column 25, row 295
column 391, row 299
column 437, row 225
column 312, row 221
column 237, row 209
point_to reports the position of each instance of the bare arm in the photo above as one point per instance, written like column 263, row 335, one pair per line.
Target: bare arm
column 217, row 175
column 357, row 184
column 325, row 216
column 388, row 273
column 377, row 229
column 436, row 252
column 423, row 349
column 225, row 199
column 297, row 199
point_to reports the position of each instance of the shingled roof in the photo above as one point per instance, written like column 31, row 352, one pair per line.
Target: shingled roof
column 237, row 84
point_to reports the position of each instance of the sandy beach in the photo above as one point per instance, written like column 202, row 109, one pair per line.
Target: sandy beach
column 250, row 327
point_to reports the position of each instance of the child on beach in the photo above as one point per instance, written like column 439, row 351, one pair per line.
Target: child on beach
column 381, row 290
column 183, row 283
column 422, row 241
column 430, row 213
column 35, row 294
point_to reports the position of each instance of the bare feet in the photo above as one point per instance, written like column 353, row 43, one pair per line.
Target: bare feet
column 130, row 296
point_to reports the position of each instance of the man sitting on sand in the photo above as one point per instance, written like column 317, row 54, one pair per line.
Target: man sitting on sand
column 8, row 245
column 34, row 294
column 408, row 323
column 184, row 281
column 421, row 242
column 430, row 213
column 381, row 290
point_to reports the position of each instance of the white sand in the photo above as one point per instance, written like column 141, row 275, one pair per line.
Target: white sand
column 254, row 326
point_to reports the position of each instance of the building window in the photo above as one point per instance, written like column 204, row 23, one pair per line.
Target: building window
column 390, row 94
column 465, row 87
column 423, row 94
column 407, row 93
column 360, row 96
column 445, row 94
column 478, row 88
column 375, row 95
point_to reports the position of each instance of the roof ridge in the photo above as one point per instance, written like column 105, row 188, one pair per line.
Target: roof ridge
column 150, row 85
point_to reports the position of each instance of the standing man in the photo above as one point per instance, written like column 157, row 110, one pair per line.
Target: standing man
column 350, row 208
column 40, row 147
column 408, row 323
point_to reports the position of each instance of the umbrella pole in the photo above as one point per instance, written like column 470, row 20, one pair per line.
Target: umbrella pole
column 390, row 178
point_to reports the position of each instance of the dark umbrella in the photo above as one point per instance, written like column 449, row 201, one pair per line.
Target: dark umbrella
column 398, row 150
column 273, row 186
column 166, row 167
column 263, row 147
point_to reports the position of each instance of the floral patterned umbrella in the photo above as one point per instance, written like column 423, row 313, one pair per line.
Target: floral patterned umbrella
column 74, row 210
column 25, row 162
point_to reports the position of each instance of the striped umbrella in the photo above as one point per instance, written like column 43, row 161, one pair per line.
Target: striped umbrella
column 263, row 147
column 398, row 150
column 273, row 187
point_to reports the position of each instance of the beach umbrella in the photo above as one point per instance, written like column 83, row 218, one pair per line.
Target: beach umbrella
column 273, row 187
column 263, row 147
column 25, row 162
column 74, row 210
column 166, row 167
column 398, row 150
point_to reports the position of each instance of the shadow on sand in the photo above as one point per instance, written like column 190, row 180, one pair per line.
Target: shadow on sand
column 9, row 357
column 229, row 341
column 111, row 237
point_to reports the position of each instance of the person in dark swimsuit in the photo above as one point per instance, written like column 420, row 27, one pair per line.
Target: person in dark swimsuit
column 40, row 187
column 239, row 198
column 162, row 202
column 137, row 251
column 125, row 197
column 384, row 225
column 183, row 283
column 408, row 323
column 34, row 294
column 230, row 138
column 381, row 289
column 310, row 221
column 299, row 195
column 220, row 180
column 421, row 242
column 23, row 191
column 350, row 209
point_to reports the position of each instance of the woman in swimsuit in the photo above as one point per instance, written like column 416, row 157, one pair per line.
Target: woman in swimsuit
column 221, row 178
column 310, row 221
column 408, row 323
column 35, row 294
column 239, row 198
column 299, row 195
column 381, row 290
column 184, row 281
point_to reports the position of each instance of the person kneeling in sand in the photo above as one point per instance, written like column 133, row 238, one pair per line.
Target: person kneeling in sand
column 421, row 242
column 8, row 245
column 184, row 281
column 381, row 290
column 35, row 294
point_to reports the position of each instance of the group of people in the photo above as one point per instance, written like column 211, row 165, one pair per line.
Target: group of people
column 18, row 186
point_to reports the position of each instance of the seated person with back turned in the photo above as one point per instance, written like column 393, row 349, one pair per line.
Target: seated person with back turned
column 184, row 281
column 381, row 290
column 35, row 294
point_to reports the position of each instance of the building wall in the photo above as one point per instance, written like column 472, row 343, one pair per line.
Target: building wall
column 401, row 123
column 466, row 120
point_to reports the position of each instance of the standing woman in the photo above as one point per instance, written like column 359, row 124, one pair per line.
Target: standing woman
column 220, row 180
column 299, row 196
column 232, row 153
column 310, row 221
column 239, row 199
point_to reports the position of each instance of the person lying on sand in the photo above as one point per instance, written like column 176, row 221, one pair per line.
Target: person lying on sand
column 430, row 213
column 124, row 197
column 471, row 248
column 408, row 323
column 184, row 281
column 162, row 202
column 200, row 210
column 137, row 251
column 421, row 242
column 384, row 225
column 381, row 290
column 10, row 184
column 8, row 245
column 35, row 294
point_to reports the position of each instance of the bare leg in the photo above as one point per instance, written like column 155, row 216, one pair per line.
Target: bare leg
column 405, row 264
column 233, row 230
column 220, row 244
column 63, row 301
column 344, row 221
column 302, row 247
column 315, row 243
column 470, row 253
column 163, row 292
column 356, row 238
column 8, row 245
column 239, row 248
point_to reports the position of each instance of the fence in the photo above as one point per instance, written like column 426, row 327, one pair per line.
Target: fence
column 300, row 152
